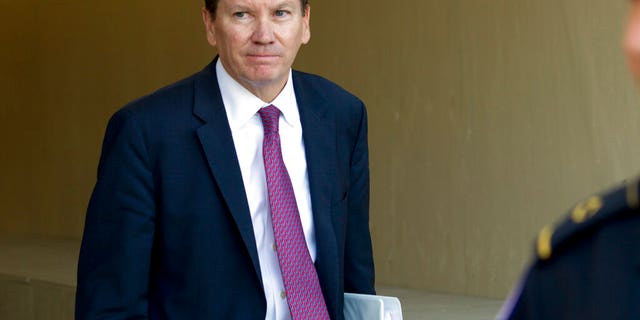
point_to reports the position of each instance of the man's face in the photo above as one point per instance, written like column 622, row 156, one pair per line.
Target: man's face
column 258, row 40
column 632, row 40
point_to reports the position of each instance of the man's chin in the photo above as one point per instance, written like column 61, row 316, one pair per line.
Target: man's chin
column 262, row 59
column 267, row 78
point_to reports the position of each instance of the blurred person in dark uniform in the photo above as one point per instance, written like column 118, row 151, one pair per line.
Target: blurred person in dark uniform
column 588, row 266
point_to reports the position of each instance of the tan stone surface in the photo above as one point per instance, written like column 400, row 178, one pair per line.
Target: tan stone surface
column 16, row 299
column 421, row 305
column 488, row 118
column 53, row 301
column 40, row 259
column 31, row 289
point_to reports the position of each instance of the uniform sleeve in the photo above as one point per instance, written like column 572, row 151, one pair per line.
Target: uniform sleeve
column 114, row 262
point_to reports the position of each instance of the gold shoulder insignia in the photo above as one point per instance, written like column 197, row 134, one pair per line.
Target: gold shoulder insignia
column 598, row 210
column 586, row 209
column 544, row 243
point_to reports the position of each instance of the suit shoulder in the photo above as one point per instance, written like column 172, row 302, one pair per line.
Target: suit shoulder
column 169, row 98
column 586, row 218
column 326, row 86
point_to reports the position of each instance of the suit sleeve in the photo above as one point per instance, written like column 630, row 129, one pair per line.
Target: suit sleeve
column 114, row 263
column 358, row 261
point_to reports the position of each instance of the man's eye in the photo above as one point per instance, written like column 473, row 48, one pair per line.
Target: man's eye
column 281, row 13
column 240, row 14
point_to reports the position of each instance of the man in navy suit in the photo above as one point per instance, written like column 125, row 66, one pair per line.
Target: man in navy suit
column 179, row 224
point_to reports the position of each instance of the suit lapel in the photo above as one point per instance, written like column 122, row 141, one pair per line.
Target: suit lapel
column 217, row 143
column 319, row 134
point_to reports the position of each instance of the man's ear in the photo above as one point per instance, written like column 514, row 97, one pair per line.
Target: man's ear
column 207, row 19
column 306, row 32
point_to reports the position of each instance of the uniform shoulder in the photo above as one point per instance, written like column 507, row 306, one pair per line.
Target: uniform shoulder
column 597, row 212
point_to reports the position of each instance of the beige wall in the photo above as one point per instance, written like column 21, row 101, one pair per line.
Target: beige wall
column 66, row 66
column 488, row 118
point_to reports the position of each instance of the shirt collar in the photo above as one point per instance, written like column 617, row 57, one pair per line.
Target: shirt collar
column 241, row 105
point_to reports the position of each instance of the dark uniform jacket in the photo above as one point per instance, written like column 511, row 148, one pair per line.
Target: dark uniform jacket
column 588, row 267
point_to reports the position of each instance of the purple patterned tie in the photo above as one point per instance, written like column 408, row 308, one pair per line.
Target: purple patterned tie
column 300, row 278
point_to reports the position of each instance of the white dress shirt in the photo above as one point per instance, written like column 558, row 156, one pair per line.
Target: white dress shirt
column 246, row 128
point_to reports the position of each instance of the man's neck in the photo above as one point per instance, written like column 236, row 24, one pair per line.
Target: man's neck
column 266, row 93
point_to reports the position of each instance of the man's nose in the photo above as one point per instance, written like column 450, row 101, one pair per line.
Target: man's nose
column 263, row 32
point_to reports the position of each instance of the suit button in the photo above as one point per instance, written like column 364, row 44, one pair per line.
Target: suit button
column 283, row 294
column 275, row 248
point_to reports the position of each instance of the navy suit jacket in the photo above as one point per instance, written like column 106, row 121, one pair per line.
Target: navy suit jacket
column 168, row 232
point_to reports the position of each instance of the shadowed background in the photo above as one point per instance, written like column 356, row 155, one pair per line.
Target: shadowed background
column 488, row 118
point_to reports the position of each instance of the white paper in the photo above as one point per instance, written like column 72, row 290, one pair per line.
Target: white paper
column 371, row 307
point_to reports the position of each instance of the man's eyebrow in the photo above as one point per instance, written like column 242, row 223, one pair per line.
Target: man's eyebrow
column 239, row 7
column 285, row 3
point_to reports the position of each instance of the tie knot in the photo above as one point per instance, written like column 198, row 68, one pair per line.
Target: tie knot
column 270, row 116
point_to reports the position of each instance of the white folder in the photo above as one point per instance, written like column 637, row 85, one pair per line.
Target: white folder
column 371, row 307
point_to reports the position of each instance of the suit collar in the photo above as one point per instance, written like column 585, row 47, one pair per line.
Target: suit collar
column 241, row 105
column 318, row 132
column 207, row 97
column 311, row 101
